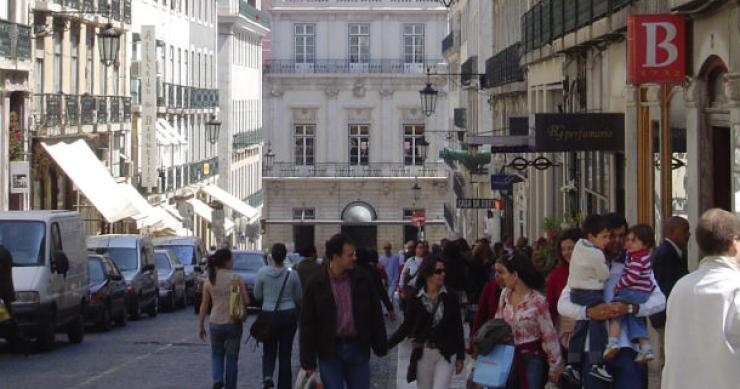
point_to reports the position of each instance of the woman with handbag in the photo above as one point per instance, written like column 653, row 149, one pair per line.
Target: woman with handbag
column 526, row 311
column 222, row 291
column 279, row 289
column 434, row 324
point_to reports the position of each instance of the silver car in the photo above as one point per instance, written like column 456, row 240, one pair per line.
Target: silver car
column 171, row 280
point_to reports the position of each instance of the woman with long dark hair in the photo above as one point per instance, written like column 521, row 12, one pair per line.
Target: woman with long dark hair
column 557, row 281
column 434, row 325
column 526, row 311
column 226, row 333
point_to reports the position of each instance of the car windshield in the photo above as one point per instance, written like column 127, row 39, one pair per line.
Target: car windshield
column 248, row 261
column 163, row 263
column 126, row 258
column 95, row 267
column 184, row 254
column 24, row 240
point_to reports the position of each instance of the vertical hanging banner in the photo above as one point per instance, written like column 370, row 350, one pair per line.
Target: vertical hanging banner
column 656, row 48
column 150, row 152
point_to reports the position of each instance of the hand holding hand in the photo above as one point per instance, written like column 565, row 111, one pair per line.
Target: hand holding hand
column 602, row 312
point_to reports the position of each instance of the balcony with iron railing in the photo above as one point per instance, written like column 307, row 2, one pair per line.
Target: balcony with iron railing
column 15, row 41
column 504, row 68
column 55, row 109
column 119, row 10
column 345, row 66
column 255, row 199
column 180, row 176
column 252, row 13
column 248, row 138
column 347, row 170
column 175, row 96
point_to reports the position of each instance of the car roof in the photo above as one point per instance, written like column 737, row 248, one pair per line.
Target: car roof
column 39, row 215
column 176, row 240
column 119, row 240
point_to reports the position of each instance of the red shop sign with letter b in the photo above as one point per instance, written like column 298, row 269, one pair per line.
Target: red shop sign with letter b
column 656, row 48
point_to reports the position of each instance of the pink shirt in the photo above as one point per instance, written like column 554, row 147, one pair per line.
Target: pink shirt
column 341, row 288
column 637, row 274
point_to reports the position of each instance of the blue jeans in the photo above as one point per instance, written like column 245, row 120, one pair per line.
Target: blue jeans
column 284, row 325
column 350, row 365
column 595, row 330
column 627, row 373
column 225, row 341
column 636, row 326
column 536, row 367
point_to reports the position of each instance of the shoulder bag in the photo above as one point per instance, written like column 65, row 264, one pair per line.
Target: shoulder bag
column 261, row 329
column 237, row 310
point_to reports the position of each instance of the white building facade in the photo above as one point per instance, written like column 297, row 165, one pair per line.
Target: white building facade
column 343, row 119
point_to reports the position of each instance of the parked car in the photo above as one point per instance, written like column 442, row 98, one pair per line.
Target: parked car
column 171, row 280
column 49, row 273
column 107, row 293
column 134, row 256
column 191, row 253
column 246, row 264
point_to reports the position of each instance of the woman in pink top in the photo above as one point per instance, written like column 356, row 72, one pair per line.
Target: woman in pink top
column 526, row 311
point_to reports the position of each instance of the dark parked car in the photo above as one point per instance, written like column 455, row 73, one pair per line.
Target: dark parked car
column 107, row 293
column 246, row 264
column 171, row 280
column 191, row 253
column 134, row 256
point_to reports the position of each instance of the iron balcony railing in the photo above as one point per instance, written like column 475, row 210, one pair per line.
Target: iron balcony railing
column 552, row 19
column 126, row 103
column 342, row 66
column 246, row 139
column 255, row 199
column 71, row 110
column 15, row 40
column 178, row 96
column 115, row 109
column 72, row 3
column 346, row 170
column 88, row 107
column 250, row 12
column 503, row 68
column 48, row 109
column 101, row 104
column 55, row 109
column 202, row 170
column 115, row 9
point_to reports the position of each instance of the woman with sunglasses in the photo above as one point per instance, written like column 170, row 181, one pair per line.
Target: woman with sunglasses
column 526, row 311
column 434, row 324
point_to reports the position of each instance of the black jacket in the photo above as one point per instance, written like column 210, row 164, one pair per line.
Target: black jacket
column 668, row 268
column 318, row 322
column 380, row 289
column 448, row 336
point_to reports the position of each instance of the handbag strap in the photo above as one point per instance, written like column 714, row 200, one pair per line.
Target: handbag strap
column 282, row 289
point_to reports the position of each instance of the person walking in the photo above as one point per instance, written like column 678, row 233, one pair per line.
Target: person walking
column 434, row 324
column 557, row 281
column 392, row 264
column 525, row 310
column 702, row 331
column 226, row 333
column 309, row 265
column 279, row 290
column 341, row 320
column 410, row 272
column 368, row 260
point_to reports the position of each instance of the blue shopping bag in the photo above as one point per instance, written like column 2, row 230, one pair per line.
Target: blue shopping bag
column 492, row 370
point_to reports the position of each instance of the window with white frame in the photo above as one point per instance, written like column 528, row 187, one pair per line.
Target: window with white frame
column 58, row 36
column 75, row 60
column 304, row 213
column 413, row 43
column 413, row 136
column 89, row 58
column 359, row 43
column 359, row 144
column 305, row 42
column 305, row 139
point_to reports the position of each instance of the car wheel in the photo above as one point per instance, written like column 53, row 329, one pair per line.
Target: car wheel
column 105, row 319
column 47, row 336
column 76, row 330
column 122, row 318
column 184, row 300
column 154, row 308
column 136, row 311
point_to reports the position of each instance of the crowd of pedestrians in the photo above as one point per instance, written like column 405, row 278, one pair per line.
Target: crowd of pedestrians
column 578, row 317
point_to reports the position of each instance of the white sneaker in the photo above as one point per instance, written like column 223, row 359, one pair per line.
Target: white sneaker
column 645, row 356
column 599, row 371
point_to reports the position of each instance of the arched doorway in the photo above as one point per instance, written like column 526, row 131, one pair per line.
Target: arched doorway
column 357, row 222
column 718, row 144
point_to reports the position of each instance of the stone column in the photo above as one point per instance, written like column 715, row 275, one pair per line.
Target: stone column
column 693, row 94
column 331, row 136
column 384, row 134
column 630, row 152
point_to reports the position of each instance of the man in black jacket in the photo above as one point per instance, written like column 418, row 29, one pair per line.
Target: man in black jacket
column 669, row 265
column 341, row 320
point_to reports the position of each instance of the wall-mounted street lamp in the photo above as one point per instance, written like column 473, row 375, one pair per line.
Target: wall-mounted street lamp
column 213, row 126
column 423, row 146
column 109, row 40
column 429, row 94
column 447, row 3
column 269, row 157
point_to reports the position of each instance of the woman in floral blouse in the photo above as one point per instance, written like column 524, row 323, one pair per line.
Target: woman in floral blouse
column 526, row 311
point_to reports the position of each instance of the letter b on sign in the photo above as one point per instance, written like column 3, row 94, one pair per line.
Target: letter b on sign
column 656, row 48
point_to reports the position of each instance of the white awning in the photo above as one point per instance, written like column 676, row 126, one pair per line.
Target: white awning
column 203, row 210
column 168, row 135
column 232, row 202
column 153, row 218
column 92, row 178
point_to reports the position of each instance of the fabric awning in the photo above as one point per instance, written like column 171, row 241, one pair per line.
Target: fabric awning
column 168, row 135
column 92, row 178
column 151, row 217
column 203, row 210
column 232, row 202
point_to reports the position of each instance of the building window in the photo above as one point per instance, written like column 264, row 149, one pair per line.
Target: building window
column 305, row 42
column 413, row 43
column 75, row 60
column 90, row 61
column 304, row 213
column 413, row 135
column 359, row 43
column 58, row 36
column 305, row 138
column 359, row 144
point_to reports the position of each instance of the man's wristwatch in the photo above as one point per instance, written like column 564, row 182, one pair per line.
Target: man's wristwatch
column 631, row 309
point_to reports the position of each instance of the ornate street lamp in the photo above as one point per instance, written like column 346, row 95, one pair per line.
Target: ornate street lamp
column 212, row 127
column 269, row 157
column 109, row 40
column 417, row 190
column 447, row 3
column 428, row 99
column 423, row 146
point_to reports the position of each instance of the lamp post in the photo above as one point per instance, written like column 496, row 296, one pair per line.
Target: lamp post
column 109, row 39
column 269, row 158
column 428, row 99
column 212, row 127
column 423, row 147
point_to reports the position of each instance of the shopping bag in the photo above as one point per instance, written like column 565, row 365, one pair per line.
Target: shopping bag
column 492, row 370
column 303, row 381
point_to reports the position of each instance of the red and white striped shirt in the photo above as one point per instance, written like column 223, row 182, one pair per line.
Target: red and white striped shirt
column 637, row 272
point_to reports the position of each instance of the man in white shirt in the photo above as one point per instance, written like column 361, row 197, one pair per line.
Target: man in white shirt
column 625, row 371
column 702, row 332
column 410, row 270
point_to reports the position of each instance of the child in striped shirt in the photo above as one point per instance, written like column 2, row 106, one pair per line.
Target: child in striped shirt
column 634, row 288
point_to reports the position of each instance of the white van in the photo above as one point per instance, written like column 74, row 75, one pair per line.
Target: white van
column 49, row 272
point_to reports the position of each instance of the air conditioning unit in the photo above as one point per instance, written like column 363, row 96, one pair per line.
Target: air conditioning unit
column 135, row 69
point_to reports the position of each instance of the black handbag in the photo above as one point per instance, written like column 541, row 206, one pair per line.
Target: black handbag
column 261, row 329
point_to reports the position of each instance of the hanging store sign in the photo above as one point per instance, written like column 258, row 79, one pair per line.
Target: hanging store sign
column 477, row 203
column 150, row 157
column 656, row 48
column 565, row 132
column 20, row 171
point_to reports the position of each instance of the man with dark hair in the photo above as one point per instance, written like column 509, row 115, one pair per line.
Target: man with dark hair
column 702, row 332
column 341, row 320
column 309, row 265
column 617, row 226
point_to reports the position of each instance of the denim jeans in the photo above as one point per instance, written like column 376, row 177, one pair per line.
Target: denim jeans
column 536, row 367
column 636, row 326
column 350, row 365
column 284, row 325
column 627, row 373
column 595, row 330
column 225, row 341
